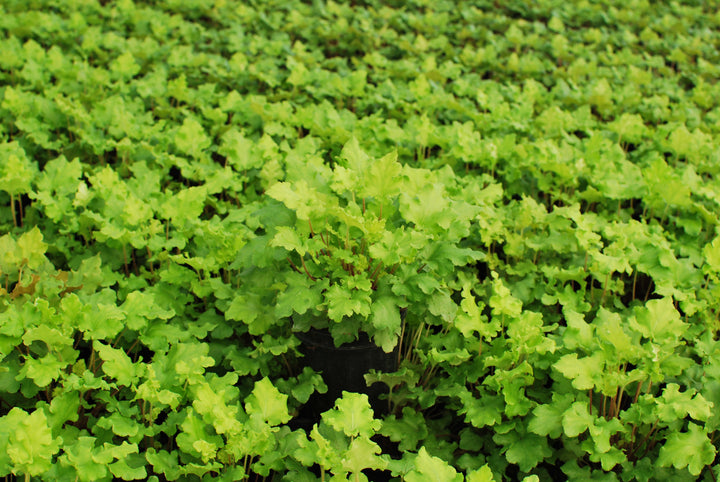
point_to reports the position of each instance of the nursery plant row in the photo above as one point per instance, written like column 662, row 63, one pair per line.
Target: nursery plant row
column 359, row 240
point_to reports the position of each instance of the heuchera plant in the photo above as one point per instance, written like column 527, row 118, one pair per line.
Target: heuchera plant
column 363, row 245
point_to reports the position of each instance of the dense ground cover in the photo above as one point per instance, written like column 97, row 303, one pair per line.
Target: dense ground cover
column 521, row 198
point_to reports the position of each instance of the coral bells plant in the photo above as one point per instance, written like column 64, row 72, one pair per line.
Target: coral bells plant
column 367, row 239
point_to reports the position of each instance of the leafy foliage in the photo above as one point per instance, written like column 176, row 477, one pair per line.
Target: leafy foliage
column 518, row 199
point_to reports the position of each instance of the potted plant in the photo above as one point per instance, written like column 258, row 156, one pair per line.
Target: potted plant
column 363, row 241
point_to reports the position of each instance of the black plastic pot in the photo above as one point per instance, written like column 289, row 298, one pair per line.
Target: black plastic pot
column 343, row 368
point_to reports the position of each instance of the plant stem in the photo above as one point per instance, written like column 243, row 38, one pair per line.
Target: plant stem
column 634, row 284
column 400, row 341
column 12, row 209
column 607, row 280
column 306, row 270
column 20, row 208
column 637, row 392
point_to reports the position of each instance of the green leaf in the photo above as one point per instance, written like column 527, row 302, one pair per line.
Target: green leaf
column 483, row 474
column 195, row 439
column 301, row 295
column 120, row 425
column 288, row 238
column 470, row 318
column 268, row 402
column 441, row 304
column 385, row 318
column 609, row 328
column 485, row 411
column 382, row 179
column 548, row 418
column 16, row 170
column 250, row 309
column 185, row 205
column 305, row 200
column 125, row 66
column 363, row 454
column 711, row 251
column 30, row 444
column 130, row 466
column 432, row 469
column 502, row 300
column 576, row 419
column 89, row 461
column 601, row 431
column 528, row 451
column 31, row 248
column 352, row 416
column 43, row 371
column 675, row 405
column 343, row 301
column 408, row 430
column 659, row 320
column 117, row 364
column 692, row 449
column 579, row 333
column 584, row 372
column 191, row 138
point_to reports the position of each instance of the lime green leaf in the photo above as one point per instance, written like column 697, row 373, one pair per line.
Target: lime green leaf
column 584, row 372
column 305, row 200
column 125, row 66
column 442, row 305
column 357, row 159
column 483, row 474
column 16, row 170
column 383, row 177
column 711, row 252
column 548, row 418
column 432, row 469
column 120, row 425
column 609, row 328
column 692, row 449
column 363, row 454
column 675, row 405
column 43, row 371
column 250, row 309
column 352, row 415
column 117, row 364
column 659, row 320
column 268, row 402
column 386, row 319
column 629, row 128
column 195, row 439
column 30, row 445
column 579, row 333
column 186, row 205
column 86, row 458
column 191, row 138
column 577, row 419
column 288, row 238
column 601, row 430
column 139, row 307
column 469, row 318
column 502, row 301
column 130, row 467
column 31, row 248
column 239, row 151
